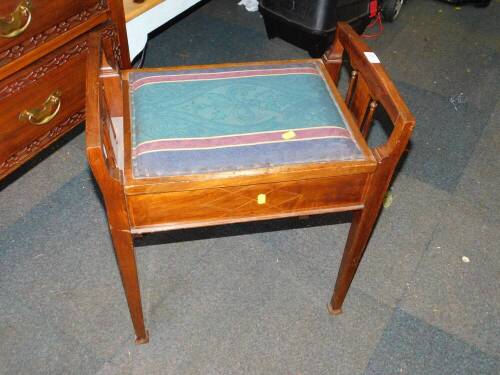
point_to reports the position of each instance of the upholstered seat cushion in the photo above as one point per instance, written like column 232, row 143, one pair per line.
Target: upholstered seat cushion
column 234, row 118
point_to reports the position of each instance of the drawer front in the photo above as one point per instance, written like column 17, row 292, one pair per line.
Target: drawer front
column 222, row 205
column 27, row 24
column 40, row 103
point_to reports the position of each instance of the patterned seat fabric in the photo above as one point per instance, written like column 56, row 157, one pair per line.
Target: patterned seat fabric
column 213, row 120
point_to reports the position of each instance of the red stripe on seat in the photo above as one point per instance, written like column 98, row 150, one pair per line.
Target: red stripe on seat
column 219, row 75
column 238, row 140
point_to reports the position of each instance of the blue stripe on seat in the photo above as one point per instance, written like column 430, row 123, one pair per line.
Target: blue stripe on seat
column 172, row 163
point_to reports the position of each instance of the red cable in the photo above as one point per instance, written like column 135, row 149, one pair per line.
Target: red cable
column 373, row 8
column 376, row 16
column 375, row 21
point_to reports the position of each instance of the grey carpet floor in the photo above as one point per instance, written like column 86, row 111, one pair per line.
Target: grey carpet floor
column 250, row 299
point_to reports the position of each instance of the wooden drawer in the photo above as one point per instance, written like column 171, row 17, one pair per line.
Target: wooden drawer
column 62, row 73
column 243, row 203
column 27, row 24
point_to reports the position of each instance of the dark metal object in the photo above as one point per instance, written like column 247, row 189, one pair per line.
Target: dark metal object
column 315, row 16
column 311, row 24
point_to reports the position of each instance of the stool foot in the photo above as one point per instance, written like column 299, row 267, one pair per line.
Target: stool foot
column 142, row 340
column 333, row 311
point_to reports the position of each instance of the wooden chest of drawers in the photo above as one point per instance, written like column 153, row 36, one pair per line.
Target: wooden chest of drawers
column 43, row 50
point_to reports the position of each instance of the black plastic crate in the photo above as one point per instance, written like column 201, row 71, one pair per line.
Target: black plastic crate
column 315, row 16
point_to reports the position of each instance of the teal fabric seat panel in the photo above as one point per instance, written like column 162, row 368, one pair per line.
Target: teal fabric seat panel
column 244, row 117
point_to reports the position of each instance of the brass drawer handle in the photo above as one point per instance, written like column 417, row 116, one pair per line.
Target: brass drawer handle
column 44, row 114
column 18, row 21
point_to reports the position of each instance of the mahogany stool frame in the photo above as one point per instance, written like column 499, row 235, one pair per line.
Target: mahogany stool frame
column 137, row 206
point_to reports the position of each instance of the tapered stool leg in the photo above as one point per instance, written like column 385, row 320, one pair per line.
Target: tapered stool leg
column 359, row 234
column 362, row 225
column 125, row 257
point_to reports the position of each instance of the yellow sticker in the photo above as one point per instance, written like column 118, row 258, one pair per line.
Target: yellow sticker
column 261, row 199
column 288, row 135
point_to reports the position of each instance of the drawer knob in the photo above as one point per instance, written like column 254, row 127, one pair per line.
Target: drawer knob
column 261, row 199
column 43, row 115
column 18, row 21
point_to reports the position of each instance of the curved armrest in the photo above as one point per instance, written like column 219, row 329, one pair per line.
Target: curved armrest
column 379, row 84
column 100, row 153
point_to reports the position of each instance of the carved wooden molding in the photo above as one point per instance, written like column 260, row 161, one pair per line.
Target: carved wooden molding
column 110, row 34
column 37, row 145
column 42, row 70
column 31, row 43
